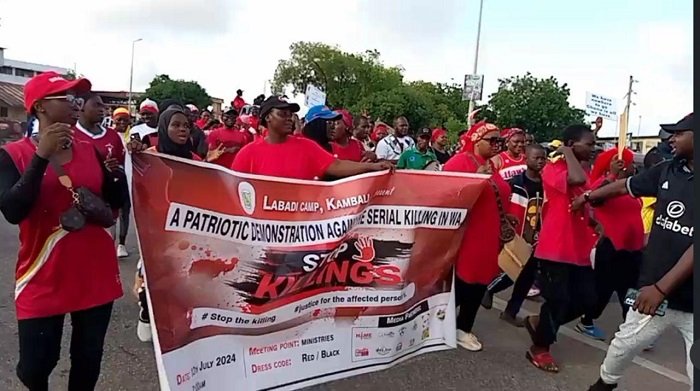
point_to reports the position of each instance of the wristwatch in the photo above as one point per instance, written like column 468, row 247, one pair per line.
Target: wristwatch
column 587, row 196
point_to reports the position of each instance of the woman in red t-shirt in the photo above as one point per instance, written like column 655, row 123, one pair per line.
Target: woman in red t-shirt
column 281, row 154
column 511, row 162
column 345, row 147
column 477, row 261
column 618, row 254
column 61, row 270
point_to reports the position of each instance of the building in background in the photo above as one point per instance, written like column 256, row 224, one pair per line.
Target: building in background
column 13, row 75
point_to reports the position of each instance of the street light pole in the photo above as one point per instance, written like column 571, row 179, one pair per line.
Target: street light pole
column 131, row 73
column 476, row 61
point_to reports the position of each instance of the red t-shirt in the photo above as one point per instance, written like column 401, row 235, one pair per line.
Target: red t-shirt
column 57, row 271
column 352, row 151
column 228, row 138
column 477, row 261
column 565, row 236
column 621, row 218
column 296, row 158
column 108, row 143
column 511, row 167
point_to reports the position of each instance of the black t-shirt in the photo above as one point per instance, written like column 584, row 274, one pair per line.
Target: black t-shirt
column 442, row 157
column 532, row 198
column 671, row 182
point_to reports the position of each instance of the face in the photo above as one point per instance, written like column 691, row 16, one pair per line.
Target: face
column 63, row 107
column 682, row 144
column 536, row 159
column 121, row 123
column 206, row 116
column 441, row 140
column 516, row 144
column 490, row 145
column 340, row 130
column 94, row 110
column 422, row 143
column 361, row 132
column 151, row 119
column 401, row 126
column 381, row 133
column 255, row 111
column 229, row 120
column 280, row 121
column 584, row 148
column 192, row 115
column 179, row 129
column 529, row 139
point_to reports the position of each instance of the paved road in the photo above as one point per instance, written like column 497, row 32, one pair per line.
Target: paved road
column 129, row 364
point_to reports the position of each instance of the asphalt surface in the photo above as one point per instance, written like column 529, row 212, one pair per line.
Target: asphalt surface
column 130, row 365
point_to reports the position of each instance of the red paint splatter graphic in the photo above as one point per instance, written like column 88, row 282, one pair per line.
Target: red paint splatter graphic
column 212, row 267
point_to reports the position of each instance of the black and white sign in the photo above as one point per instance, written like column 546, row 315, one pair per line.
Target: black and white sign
column 473, row 86
column 601, row 106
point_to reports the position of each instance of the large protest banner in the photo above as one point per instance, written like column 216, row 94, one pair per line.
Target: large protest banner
column 263, row 283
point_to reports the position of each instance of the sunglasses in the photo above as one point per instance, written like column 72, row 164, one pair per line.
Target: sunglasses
column 494, row 140
column 72, row 99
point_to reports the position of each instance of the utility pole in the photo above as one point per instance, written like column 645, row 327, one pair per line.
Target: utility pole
column 131, row 73
column 625, row 118
column 476, row 62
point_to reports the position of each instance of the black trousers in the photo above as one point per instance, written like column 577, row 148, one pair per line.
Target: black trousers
column 468, row 298
column 40, row 348
column 522, row 286
column 615, row 271
column 569, row 291
column 124, row 213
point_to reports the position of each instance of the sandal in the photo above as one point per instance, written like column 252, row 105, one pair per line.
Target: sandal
column 543, row 361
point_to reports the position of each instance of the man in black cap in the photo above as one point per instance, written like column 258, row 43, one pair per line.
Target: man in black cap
column 420, row 156
column 665, row 295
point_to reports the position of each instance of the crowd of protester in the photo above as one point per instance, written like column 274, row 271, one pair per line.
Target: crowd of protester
column 595, row 225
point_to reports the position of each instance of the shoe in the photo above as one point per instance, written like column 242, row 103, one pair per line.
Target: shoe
column 649, row 348
column 143, row 331
column 534, row 291
column 487, row 300
column 121, row 251
column 513, row 321
column 601, row 386
column 468, row 341
column 591, row 331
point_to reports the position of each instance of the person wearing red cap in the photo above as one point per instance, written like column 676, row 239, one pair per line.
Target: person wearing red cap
column 618, row 253
column 344, row 147
column 230, row 137
column 380, row 131
column 511, row 162
column 65, row 268
column 477, row 260
column 282, row 155
column 238, row 102
column 438, row 143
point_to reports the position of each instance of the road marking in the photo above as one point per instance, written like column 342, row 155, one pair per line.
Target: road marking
column 573, row 334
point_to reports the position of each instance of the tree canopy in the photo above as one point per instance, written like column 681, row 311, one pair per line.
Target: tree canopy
column 360, row 82
column 163, row 87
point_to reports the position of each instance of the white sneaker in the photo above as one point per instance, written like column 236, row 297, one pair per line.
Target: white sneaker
column 143, row 331
column 468, row 341
column 121, row 251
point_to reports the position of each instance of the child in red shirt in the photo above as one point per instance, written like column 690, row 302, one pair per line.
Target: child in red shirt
column 565, row 243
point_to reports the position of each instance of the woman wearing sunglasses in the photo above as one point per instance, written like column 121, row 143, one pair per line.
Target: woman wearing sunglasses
column 66, row 262
column 477, row 261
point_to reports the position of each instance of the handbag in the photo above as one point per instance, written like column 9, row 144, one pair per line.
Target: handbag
column 87, row 206
column 515, row 250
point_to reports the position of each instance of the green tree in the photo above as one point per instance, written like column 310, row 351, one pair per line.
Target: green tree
column 540, row 106
column 163, row 87
column 343, row 76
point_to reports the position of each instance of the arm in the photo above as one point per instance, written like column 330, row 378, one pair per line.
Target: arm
column 576, row 176
column 18, row 193
column 114, row 188
column 651, row 296
column 346, row 168
column 497, row 162
column 642, row 185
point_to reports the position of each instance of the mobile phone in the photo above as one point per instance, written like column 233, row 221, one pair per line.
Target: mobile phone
column 631, row 298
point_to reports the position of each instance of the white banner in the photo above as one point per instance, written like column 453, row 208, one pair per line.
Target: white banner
column 601, row 106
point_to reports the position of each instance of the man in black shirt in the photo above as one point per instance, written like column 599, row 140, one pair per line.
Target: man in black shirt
column 666, row 273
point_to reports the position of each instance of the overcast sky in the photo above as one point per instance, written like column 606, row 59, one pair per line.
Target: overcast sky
column 593, row 45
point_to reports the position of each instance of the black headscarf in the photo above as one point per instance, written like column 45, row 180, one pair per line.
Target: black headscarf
column 317, row 130
column 165, row 144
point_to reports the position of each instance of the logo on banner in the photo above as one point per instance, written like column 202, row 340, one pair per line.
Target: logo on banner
column 675, row 209
column 246, row 194
column 362, row 352
column 383, row 350
column 363, row 335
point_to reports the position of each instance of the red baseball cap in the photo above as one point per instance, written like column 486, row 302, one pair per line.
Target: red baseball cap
column 51, row 83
